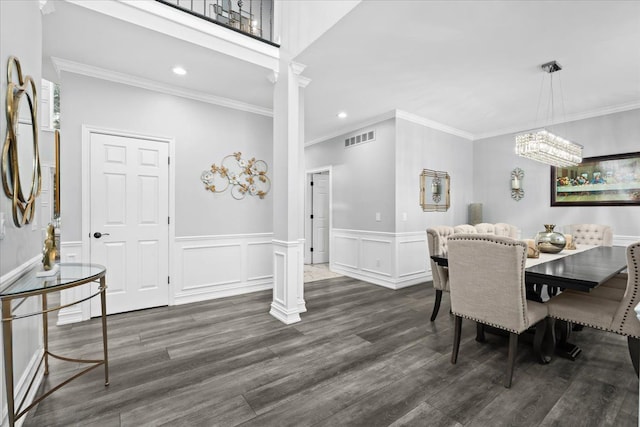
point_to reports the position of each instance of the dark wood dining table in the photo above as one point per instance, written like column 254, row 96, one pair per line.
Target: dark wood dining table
column 581, row 271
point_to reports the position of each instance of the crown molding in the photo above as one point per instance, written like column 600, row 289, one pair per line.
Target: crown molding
column 352, row 128
column 398, row 114
column 569, row 118
column 114, row 76
column 175, row 23
column 414, row 118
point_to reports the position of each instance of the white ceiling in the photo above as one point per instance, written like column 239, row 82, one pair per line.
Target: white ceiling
column 473, row 65
column 469, row 65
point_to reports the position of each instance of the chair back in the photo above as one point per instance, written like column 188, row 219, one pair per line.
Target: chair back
column 591, row 234
column 507, row 230
column 486, row 280
column 437, row 243
column 485, row 228
column 625, row 321
column 465, row 229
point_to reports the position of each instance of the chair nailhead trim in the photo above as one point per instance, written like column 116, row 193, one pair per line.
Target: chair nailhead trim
column 509, row 242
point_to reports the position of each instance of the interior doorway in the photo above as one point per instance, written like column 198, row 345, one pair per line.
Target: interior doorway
column 128, row 218
column 318, row 216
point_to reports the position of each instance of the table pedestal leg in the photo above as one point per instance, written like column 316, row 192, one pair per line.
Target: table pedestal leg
column 563, row 347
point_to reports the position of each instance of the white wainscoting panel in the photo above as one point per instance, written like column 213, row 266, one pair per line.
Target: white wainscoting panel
column 377, row 256
column 345, row 250
column 392, row 260
column 72, row 252
column 624, row 240
column 209, row 267
column 27, row 345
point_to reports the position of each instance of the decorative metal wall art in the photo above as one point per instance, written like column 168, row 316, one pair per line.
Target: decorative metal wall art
column 21, row 176
column 434, row 191
column 242, row 176
column 517, row 192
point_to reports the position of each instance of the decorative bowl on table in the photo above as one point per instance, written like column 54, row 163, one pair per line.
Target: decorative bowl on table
column 549, row 241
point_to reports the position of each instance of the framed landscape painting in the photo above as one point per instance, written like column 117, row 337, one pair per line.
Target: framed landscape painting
column 598, row 181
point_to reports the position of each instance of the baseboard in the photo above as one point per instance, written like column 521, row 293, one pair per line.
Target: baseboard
column 389, row 283
column 212, row 292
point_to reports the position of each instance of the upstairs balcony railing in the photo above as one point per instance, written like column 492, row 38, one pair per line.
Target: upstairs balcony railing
column 251, row 17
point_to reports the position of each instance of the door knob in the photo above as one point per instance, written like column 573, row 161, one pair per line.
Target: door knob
column 98, row 234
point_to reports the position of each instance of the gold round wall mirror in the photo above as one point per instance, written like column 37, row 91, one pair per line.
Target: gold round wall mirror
column 21, row 175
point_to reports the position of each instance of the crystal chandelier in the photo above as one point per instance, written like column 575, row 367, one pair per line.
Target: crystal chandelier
column 542, row 145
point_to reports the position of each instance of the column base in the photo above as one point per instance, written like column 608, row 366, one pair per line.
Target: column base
column 281, row 313
column 288, row 301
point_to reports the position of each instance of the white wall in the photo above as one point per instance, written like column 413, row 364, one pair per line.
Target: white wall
column 383, row 176
column 494, row 159
column 363, row 178
column 20, row 36
column 203, row 134
column 420, row 147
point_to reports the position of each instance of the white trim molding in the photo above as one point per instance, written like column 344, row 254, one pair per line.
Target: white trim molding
column 288, row 277
column 140, row 82
column 72, row 252
column 624, row 240
column 208, row 267
column 392, row 260
column 23, row 345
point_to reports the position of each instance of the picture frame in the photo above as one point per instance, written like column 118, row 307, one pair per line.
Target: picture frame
column 612, row 180
column 435, row 191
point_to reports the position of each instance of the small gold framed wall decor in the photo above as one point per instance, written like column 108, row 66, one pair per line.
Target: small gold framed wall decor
column 20, row 164
column 434, row 191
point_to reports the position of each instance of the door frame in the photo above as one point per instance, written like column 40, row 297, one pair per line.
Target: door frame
column 307, row 213
column 87, row 130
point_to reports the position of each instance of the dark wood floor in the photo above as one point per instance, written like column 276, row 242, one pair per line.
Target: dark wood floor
column 362, row 356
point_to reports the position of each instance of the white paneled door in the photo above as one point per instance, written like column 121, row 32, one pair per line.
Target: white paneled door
column 129, row 230
column 320, row 221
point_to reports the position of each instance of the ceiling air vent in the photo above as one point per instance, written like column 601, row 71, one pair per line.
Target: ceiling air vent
column 360, row 138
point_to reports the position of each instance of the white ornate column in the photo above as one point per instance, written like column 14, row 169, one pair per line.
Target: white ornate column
column 288, row 192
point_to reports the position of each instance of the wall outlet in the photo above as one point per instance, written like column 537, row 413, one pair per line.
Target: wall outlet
column 3, row 229
column 378, row 216
column 377, row 263
column 404, row 216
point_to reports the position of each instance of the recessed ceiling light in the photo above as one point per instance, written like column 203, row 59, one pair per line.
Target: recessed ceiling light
column 342, row 115
column 179, row 70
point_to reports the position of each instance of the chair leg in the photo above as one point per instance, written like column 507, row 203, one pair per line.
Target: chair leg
column 634, row 352
column 513, row 349
column 436, row 305
column 480, row 332
column 552, row 291
column 456, row 339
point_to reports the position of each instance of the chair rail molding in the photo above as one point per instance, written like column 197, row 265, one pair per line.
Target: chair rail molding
column 392, row 260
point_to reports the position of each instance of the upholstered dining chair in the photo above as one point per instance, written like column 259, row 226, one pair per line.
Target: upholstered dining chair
column 437, row 243
column 591, row 234
column 596, row 234
column 600, row 312
column 486, row 282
